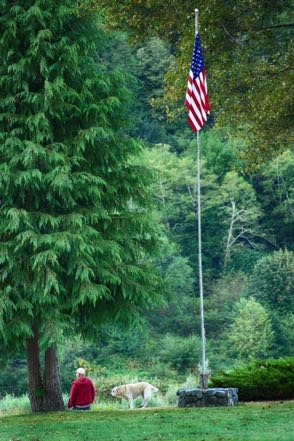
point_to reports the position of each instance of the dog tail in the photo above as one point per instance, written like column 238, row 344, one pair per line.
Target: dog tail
column 154, row 388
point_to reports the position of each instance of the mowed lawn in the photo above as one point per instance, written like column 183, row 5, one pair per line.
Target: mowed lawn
column 257, row 421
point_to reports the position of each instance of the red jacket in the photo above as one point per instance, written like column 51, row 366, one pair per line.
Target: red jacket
column 82, row 392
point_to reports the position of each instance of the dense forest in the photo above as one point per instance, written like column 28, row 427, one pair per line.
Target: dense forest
column 146, row 174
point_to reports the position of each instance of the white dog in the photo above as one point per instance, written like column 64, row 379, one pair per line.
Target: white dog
column 134, row 390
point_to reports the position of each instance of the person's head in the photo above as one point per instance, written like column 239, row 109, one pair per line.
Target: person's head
column 80, row 372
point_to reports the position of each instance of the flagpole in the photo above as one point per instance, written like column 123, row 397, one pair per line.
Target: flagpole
column 203, row 374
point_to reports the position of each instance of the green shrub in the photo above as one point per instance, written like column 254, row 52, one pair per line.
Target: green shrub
column 11, row 405
column 180, row 353
column 260, row 380
column 13, row 377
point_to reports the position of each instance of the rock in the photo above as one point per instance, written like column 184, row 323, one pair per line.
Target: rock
column 207, row 397
column 221, row 393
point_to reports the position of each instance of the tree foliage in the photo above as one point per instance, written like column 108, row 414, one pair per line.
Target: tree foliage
column 76, row 223
column 272, row 281
column 241, row 212
column 276, row 194
column 248, row 48
column 251, row 332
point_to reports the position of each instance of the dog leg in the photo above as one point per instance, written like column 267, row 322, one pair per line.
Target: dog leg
column 147, row 396
column 131, row 402
column 144, row 404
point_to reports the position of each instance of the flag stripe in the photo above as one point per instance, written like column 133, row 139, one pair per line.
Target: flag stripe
column 196, row 111
column 199, row 98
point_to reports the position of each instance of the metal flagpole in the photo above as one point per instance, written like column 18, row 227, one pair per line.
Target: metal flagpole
column 203, row 374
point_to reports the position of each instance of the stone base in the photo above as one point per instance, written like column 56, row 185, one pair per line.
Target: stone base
column 207, row 397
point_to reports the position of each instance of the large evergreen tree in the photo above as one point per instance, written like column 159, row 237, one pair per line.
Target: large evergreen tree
column 74, row 228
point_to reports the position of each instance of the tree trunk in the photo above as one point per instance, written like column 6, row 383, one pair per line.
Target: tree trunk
column 35, row 384
column 230, row 235
column 52, row 389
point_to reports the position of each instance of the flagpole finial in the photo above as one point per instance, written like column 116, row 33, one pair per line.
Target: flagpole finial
column 196, row 20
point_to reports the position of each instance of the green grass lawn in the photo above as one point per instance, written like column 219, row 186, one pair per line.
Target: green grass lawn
column 258, row 421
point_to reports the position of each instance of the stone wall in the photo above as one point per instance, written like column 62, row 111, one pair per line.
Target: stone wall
column 207, row 397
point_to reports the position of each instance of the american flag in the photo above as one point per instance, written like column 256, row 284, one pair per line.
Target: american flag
column 196, row 94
